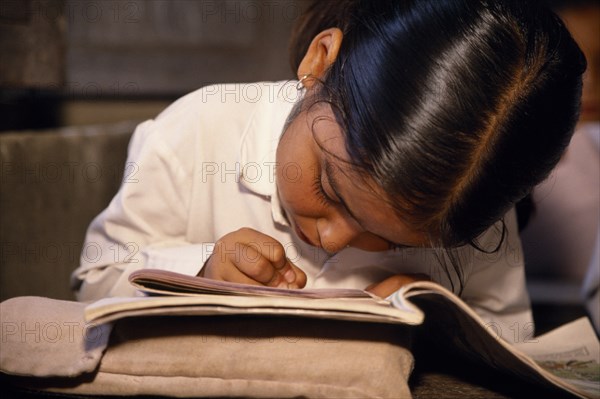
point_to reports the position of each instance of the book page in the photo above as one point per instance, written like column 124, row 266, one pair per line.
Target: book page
column 357, row 309
column 177, row 294
column 469, row 335
column 452, row 320
column 570, row 352
column 154, row 281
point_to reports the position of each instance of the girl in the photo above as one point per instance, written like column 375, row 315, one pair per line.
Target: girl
column 414, row 129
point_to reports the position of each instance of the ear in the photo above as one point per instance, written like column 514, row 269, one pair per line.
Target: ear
column 321, row 53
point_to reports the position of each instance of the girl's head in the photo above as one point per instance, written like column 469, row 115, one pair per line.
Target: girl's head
column 428, row 118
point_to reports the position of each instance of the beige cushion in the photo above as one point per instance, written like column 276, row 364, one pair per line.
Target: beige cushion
column 246, row 357
column 44, row 337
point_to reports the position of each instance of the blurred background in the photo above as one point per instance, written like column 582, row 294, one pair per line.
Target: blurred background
column 71, row 62
column 562, row 240
column 76, row 76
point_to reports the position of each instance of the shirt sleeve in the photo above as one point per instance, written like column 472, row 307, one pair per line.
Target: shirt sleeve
column 145, row 224
column 496, row 288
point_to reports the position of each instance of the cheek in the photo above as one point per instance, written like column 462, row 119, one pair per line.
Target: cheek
column 370, row 242
column 288, row 168
column 295, row 187
column 294, row 168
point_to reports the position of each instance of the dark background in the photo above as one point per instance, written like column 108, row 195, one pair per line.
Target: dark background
column 76, row 62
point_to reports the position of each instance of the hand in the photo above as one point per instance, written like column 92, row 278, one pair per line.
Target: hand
column 387, row 287
column 250, row 257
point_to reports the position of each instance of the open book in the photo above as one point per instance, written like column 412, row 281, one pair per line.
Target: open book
column 566, row 358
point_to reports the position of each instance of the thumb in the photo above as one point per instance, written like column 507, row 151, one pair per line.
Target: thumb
column 300, row 277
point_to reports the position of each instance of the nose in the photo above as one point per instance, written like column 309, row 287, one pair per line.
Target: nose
column 337, row 231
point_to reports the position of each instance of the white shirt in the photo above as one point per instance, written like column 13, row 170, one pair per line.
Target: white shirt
column 205, row 167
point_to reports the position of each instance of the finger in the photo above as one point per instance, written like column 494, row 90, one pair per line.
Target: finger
column 300, row 276
column 290, row 276
column 225, row 271
column 269, row 247
column 253, row 264
column 234, row 275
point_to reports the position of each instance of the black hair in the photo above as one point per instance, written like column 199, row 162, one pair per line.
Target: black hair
column 456, row 108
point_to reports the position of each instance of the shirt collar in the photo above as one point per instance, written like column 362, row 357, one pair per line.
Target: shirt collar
column 259, row 142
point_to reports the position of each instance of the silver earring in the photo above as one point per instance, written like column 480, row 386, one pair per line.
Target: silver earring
column 300, row 84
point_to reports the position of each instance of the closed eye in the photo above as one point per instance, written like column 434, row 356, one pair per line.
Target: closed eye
column 319, row 191
column 396, row 247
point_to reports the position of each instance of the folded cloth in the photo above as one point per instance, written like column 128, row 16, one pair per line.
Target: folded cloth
column 43, row 337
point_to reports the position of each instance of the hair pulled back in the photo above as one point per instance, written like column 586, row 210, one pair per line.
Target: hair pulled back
column 455, row 108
